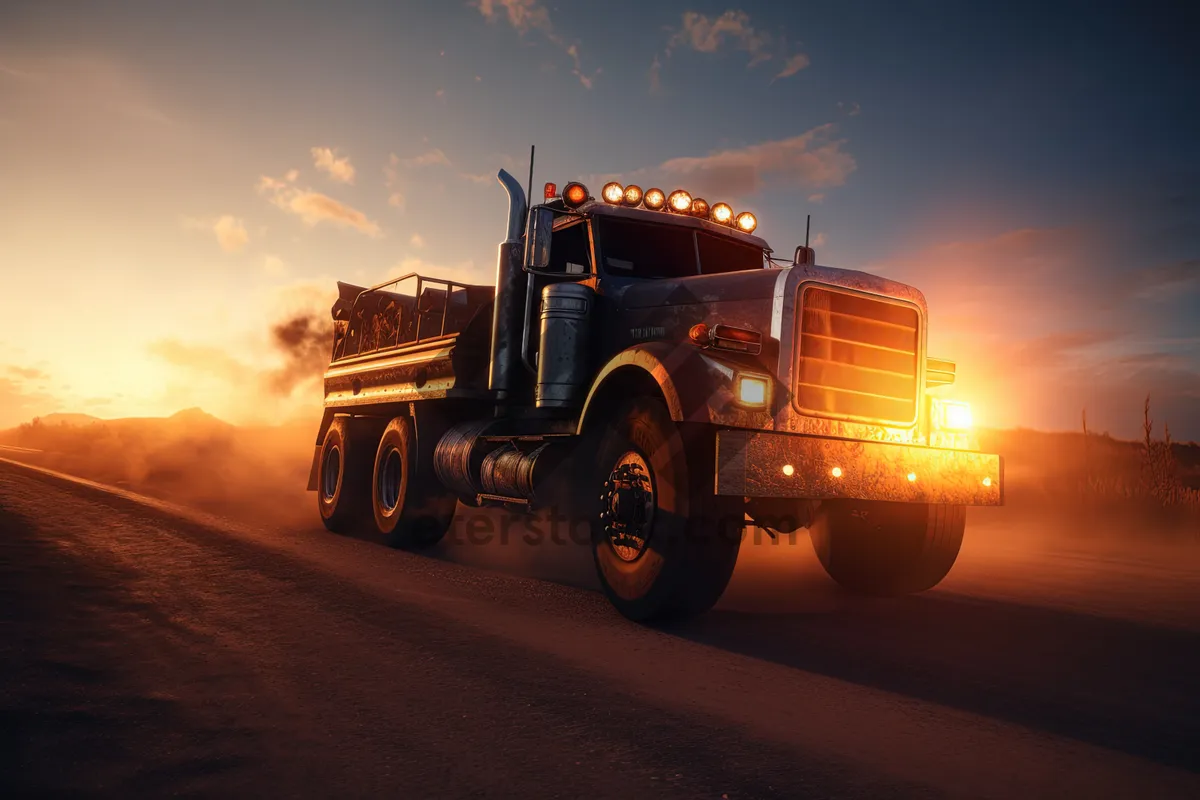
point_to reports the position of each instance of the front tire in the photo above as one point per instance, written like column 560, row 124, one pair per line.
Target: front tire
column 664, row 544
column 887, row 549
column 410, row 512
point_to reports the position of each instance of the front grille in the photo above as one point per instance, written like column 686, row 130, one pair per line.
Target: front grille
column 858, row 357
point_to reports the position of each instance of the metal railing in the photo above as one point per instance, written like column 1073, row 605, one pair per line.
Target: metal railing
column 370, row 330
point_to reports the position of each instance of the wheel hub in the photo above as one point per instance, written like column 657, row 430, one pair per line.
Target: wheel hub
column 628, row 506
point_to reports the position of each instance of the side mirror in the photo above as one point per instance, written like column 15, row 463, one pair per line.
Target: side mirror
column 538, row 232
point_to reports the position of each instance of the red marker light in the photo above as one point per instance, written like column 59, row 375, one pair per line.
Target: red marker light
column 551, row 191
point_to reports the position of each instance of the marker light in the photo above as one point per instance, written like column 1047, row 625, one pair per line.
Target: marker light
column 700, row 334
column 912, row 477
column 746, row 222
column 722, row 213
column 550, row 192
column 836, row 472
column 699, row 207
column 633, row 194
column 613, row 192
column 987, row 482
column 752, row 391
column 575, row 194
column 680, row 201
column 789, row 470
column 654, row 199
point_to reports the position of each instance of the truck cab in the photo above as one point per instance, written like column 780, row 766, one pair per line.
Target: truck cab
column 646, row 366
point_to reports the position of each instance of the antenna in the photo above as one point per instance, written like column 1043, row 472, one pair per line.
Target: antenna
column 807, row 227
column 529, row 191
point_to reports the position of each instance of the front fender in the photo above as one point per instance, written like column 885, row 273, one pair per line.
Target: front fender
column 697, row 386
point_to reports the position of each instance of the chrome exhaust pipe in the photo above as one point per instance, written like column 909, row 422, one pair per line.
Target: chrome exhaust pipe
column 508, row 312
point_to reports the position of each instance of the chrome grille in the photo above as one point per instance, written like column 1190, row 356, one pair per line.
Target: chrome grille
column 857, row 357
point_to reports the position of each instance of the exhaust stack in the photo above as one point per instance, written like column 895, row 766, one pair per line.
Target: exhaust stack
column 508, row 314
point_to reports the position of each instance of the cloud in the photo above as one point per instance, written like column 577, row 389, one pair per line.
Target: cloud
column 816, row 198
column 313, row 207
column 1169, row 279
column 733, row 28
column 530, row 15
column 203, row 359
column 417, row 240
column 27, row 373
column 391, row 179
column 434, row 157
column 231, row 233
column 819, row 239
column 792, row 65
column 338, row 167
column 707, row 35
column 811, row 160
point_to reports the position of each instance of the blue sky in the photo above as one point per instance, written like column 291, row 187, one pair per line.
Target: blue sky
column 198, row 168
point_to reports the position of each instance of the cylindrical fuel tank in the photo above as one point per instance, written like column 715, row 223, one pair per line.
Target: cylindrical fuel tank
column 563, row 364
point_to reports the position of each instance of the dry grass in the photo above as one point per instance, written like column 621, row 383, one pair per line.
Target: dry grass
column 1155, row 481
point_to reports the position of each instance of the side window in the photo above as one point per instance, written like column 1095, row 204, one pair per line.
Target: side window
column 719, row 254
column 570, row 251
column 647, row 250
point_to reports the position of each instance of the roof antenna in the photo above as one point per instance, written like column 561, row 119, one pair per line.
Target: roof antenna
column 529, row 192
column 807, row 227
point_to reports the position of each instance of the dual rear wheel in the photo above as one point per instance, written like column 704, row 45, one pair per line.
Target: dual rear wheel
column 368, row 484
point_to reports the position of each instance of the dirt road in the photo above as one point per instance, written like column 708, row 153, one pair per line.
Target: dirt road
column 148, row 650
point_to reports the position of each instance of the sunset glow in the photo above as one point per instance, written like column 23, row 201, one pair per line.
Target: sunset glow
column 177, row 180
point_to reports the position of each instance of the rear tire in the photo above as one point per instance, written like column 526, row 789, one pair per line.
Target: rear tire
column 344, row 475
column 410, row 511
column 887, row 549
column 664, row 544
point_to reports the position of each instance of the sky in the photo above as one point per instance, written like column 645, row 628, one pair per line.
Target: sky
column 175, row 178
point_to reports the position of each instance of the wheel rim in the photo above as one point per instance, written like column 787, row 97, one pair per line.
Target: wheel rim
column 390, row 476
column 331, row 472
column 628, row 504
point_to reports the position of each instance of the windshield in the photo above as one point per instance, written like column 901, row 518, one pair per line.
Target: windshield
column 647, row 250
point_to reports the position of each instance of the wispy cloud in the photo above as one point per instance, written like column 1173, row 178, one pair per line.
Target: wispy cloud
column 391, row 180
column 531, row 15
column 338, row 167
column 201, row 358
column 27, row 373
column 314, row 208
column 231, row 233
column 811, row 160
column 417, row 240
column 434, row 157
column 732, row 29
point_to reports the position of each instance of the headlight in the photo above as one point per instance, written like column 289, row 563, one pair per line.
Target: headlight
column 575, row 194
column 746, row 222
column 613, row 192
column 655, row 199
column 680, row 201
column 752, row 390
column 722, row 213
column 633, row 194
column 952, row 415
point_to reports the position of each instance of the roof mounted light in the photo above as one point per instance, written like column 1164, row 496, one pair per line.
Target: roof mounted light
column 633, row 195
column 574, row 194
column 550, row 191
column 654, row 199
column 699, row 207
column 613, row 193
column 680, row 201
column 722, row 213
column 746, row 222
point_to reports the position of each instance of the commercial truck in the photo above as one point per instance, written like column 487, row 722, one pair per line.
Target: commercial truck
column 649, row 368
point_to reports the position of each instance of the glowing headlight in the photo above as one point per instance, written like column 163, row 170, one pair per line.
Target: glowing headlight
column 613, row 192
column 574, row 194
column 722, row 213
column 633, row 194
column 752, row 391
column 747, row 222
column 953, row 415
column 654, row 199
column 699, row 207
column 680, row 201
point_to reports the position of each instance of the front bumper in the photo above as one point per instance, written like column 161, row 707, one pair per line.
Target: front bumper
column 756, row 464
